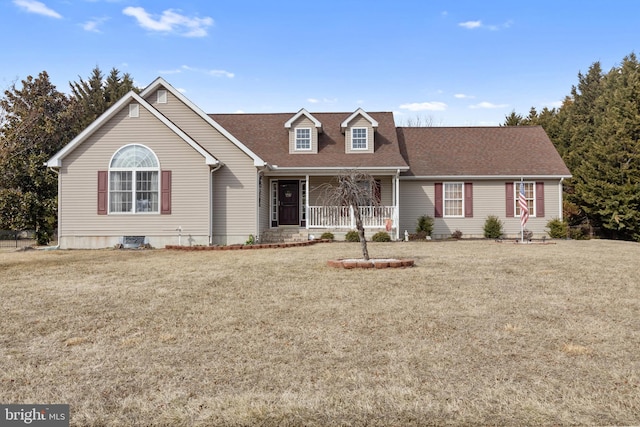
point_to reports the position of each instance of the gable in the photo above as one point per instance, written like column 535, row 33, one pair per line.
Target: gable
column 131, row 103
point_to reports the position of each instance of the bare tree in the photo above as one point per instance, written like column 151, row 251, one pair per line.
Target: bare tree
column 355, row 189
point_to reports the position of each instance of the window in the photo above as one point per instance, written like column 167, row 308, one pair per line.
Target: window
column 529, row 194
column 162, row 96
column 134, row 110
column 453, row 198
column 303, row 139
column 133, row 181
column 359, row 139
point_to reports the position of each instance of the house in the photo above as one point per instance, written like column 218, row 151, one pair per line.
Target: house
column 155, row 165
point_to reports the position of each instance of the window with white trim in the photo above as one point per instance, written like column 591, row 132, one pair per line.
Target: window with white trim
column 134, row 110
column 162, row 96
column 133, row 180
column 359, row 139
column 303, row 139
column 529, row 194
column 453, row 199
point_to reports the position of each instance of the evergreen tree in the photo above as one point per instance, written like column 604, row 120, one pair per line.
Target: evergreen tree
column 36, row 125
column 607, row 180
column 94, row 96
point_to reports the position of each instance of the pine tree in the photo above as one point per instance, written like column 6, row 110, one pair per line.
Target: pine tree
column 607, row 180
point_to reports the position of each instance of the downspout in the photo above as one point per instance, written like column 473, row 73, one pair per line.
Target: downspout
column 212, row 170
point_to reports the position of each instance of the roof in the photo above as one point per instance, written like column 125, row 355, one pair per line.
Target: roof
column 266, row 135
column 518, row 151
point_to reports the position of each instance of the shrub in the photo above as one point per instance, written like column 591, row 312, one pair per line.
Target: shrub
column 327, row 235
column 352, row 236
column 381, row 236
column 457, row 235
column 425, row 224
column 492, row 227
column 580, row 232
column 558, row 229
column 419, row 235
column 251, row 240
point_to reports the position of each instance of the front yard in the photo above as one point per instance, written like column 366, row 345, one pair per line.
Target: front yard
column 477, row 332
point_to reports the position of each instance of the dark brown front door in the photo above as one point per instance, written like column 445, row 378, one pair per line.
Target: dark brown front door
column 288, row 198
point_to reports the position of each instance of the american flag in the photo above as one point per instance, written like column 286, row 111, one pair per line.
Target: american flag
column 524, row 208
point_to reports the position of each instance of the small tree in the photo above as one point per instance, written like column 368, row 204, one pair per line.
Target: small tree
column 492, row 227
column 354, row 189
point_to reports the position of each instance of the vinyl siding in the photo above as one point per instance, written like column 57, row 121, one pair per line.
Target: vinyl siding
column 417, row 198
column 234, row 185
column 359, row 122
column 78, row 177
column 303, row 122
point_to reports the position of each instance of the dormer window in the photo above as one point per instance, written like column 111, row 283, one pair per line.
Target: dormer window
column 303, row 139
column 359, row 139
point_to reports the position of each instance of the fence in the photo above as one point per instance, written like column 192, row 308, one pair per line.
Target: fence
column 16, row 239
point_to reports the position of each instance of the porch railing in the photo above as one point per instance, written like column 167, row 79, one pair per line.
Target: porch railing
column 343, row 217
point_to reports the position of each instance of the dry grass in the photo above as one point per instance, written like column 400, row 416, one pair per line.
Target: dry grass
column 477, row 333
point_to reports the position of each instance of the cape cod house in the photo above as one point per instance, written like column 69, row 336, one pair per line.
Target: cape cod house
column 157, row 166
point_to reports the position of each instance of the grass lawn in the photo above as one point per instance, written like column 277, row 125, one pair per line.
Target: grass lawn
column 477, row 332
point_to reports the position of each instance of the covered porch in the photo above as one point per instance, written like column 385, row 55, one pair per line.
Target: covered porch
column 296, row 202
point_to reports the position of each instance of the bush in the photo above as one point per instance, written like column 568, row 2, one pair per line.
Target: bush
column 558, row 229
column 425, row 224
column 492, row 227
column 352, row 236
column 457, row 235
column 420, row 235
column 327, row 235
column 381, row 236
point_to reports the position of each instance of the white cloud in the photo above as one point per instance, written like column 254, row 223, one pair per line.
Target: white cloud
column 487, row 106
column 170, row 22
column 463, row 96
column 470, row 25
column 313, row 100
column 424, row 106
column 94, row 24
column 33, row 6
column 221, row 73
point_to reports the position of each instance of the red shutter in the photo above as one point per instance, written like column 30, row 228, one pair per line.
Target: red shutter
column 540, row 199
column 509, row 199
column 438, row 200
column 103, row 188
column 165, row 197
column 468, row 200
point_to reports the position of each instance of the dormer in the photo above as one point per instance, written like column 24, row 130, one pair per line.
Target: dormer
column 303, row 133
column 359, row 131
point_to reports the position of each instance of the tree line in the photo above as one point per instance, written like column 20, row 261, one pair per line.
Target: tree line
column 36, row 121
column 596, row 130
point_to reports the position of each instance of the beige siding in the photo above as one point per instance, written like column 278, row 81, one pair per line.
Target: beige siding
column 417, row 198
column 79, row 221
column 303, row 122
column 234, row 185
column 359, row 122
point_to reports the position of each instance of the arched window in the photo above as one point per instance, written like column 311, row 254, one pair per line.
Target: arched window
column 133, row 180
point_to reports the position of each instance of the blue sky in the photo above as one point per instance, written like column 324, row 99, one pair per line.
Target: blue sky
column 452, row 63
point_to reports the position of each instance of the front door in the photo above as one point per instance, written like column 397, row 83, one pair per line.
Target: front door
column 289, row 206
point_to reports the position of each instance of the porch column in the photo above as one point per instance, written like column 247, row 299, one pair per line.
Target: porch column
column 306, row 203
column 396, row 201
